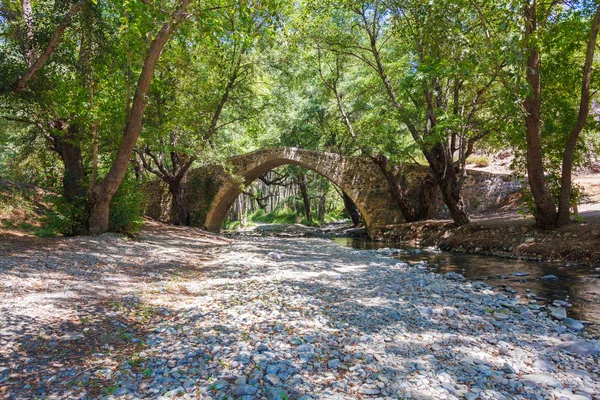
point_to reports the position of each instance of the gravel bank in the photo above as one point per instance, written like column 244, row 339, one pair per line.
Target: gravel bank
column 304, row 318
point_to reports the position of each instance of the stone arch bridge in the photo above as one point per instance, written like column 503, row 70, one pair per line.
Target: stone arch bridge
column 211, row 190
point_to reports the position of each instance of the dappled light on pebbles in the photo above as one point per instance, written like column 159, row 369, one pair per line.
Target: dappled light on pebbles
column 305, row 318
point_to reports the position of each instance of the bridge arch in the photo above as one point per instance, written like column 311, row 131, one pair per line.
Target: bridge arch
column 358, row 177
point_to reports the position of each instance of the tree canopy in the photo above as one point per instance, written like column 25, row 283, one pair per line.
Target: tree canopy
column 100, row 96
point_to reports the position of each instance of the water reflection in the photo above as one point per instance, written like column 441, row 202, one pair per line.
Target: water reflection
column 580, row 286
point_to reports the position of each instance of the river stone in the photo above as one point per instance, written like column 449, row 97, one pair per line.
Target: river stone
column 275, row 393
column 272, row 379
column 454, row 276
column 579, row 347
column 368, row 390
column 244, row 390
column 507, row 369
column 262, row 348
column 558, row 313
column 306, row 348
column 535, row 380
column 543, row 365
column 549, row 277
column 573, row 324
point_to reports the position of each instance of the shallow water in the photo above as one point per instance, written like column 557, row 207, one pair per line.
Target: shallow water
column 580, row 286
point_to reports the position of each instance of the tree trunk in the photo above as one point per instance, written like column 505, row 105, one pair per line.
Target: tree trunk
column 180, row 214
column 322, row 204
column 545, row 209
column 351, row 209
column 101, row 194
column 305, row 199
column 584, row 110
column 67, row 146
column 444, row 171
column 427, row 194
column 407, row 209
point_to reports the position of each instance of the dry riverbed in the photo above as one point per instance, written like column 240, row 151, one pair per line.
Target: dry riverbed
column 182, row 313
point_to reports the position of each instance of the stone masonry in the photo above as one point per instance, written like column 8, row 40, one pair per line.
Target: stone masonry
column 211, row 190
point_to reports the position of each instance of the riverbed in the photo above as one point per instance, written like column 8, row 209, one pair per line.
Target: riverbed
column 578, row 286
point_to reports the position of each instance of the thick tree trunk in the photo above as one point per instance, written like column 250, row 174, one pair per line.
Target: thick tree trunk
column 351, row 209
column 545, row 209
column 101, row 194
column 67, row 146
column 584, row 110
column 305, row 199
column 407, row 209
column 427, row 194
column 443, row 169
column 180, row 214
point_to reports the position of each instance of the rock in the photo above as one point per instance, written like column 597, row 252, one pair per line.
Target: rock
column 471, row 396
column 262, row 348
column 507, row 369
column 454, row 276
column 368, row 390
column 73, row 336
column 306, row 348
column 178, row 391
column 272, row 379
column 549, row 277
column 244, row 390
column 579, row 347
column 558, row 313
column 543, row 365
column 276, row 394
column 220, row 384
column 334, row 363
column 520, row 273
column 274, row 255
column 536, row 380
column 573, row 324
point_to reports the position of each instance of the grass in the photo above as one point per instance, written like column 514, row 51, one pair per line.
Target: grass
column 478, row 161
column 284, row 216
column 20, row 210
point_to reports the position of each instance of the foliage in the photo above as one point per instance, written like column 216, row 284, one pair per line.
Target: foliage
column 126, row 211
column 408, row 76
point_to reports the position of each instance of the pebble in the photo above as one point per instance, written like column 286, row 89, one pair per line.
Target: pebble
column 388, row 329
column 558, row 313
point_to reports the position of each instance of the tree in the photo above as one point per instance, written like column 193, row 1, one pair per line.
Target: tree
column 435, row 71
column 187, row 109
column 101, row 193
column 547, row 216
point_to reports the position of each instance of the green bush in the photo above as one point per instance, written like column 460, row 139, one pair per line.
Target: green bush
column 479, row 161
column 62, row 219
column 126, row 208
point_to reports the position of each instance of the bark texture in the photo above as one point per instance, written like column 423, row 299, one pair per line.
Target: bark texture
column 408, row 211
column 545, row 209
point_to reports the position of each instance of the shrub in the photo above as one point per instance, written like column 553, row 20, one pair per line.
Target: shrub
column 126, row 208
